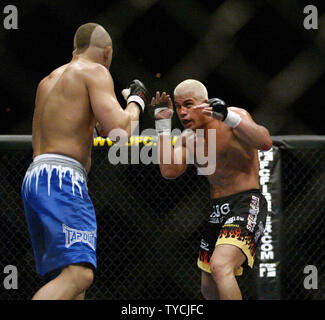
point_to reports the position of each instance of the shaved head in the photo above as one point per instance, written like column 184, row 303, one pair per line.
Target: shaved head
column 91, row 35
column 191, row 86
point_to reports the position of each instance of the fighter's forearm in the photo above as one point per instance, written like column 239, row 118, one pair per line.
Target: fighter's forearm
column 132, row 113
column 170, row 162
column 253, row 134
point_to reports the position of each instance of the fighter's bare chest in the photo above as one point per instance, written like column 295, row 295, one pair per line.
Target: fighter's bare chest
column 219, row 146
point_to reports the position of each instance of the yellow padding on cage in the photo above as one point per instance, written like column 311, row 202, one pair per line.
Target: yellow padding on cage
column 133, row 141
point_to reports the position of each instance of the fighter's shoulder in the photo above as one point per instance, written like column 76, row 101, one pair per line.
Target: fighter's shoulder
column 42, row 85
column 56, row 72
column 97, row 73
column 42, row 82
column 240, row 111
column 95, row 69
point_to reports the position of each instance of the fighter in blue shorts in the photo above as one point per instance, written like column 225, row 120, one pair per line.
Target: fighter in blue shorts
column 59, row 213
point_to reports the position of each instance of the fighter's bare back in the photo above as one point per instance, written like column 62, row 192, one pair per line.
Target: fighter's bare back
column 63, row 118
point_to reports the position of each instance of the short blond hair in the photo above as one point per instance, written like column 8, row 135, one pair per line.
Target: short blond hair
column 191, row 85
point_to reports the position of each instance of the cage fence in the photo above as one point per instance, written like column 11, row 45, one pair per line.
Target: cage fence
column 149, row 227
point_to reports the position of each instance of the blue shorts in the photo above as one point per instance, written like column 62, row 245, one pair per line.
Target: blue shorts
column 60, row 215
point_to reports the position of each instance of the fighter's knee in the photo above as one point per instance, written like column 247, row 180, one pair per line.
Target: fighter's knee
column 221, row 269
column 81, row 276
column 86, row 278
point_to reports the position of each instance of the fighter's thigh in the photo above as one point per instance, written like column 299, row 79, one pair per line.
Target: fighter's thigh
column 226, row 257
column 208, row 286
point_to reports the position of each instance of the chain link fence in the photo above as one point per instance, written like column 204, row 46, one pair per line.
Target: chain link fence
column 303, row 228
column 149, row 228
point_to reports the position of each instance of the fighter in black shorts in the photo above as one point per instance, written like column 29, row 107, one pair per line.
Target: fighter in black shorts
column 228, row 142
column 239, row 220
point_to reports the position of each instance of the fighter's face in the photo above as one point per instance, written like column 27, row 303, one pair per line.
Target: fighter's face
column 190, row 118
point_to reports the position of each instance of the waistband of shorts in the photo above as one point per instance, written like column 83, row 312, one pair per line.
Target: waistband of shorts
column 235, row 195
column 58, row 159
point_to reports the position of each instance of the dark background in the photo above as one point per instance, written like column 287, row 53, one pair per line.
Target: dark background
column 251, row 53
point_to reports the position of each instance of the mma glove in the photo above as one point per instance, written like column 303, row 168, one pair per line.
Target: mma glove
column 230, row 118
column 138, row 93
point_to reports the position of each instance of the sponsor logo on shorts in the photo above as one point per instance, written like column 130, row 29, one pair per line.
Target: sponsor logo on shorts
column 73, row 236
column 233, row 219
column 254, row 205
column 215, row 216
column 254, row 209
column 204, row 245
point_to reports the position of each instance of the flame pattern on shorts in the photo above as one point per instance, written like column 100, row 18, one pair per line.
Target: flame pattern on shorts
column 204, row 256
column 230, row 233
column 238, row 234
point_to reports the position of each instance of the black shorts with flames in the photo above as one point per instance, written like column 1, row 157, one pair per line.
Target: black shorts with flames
column 239, row 220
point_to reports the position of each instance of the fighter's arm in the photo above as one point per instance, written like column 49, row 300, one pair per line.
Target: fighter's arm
column 172, row 158
column 250, row 132
column 241, row 122
column 107, row 110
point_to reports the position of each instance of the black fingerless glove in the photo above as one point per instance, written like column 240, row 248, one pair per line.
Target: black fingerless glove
column 218, row 106
column 138, row 93
column 229, row 117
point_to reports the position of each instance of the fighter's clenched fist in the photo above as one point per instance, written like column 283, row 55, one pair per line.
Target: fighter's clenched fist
column 138, row 93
